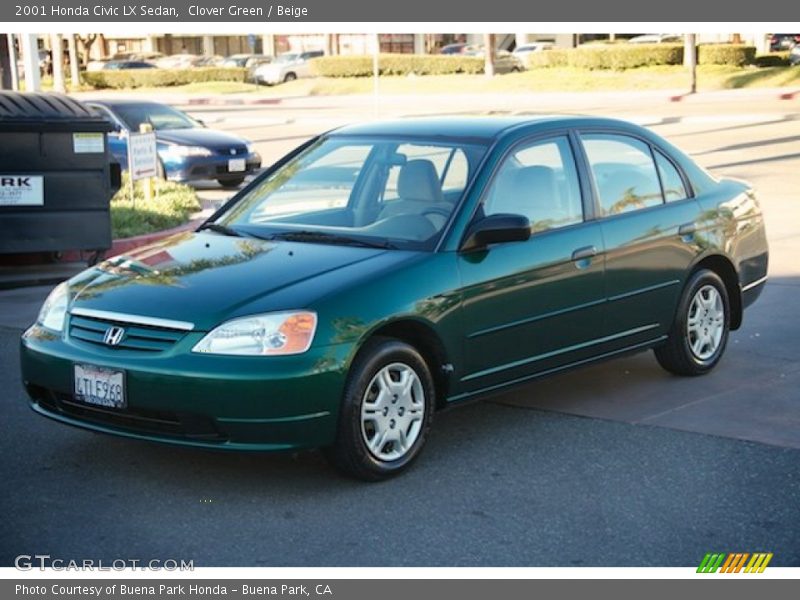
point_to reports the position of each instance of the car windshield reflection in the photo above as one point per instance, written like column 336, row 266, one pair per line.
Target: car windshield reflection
column 385, row 192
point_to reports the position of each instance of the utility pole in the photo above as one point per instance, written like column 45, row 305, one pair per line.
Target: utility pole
column 690, row 59
column 488, row 53
column 74, row 62
column 30, row 57
column 5, row 64
column 12, row 57
column 57, row 53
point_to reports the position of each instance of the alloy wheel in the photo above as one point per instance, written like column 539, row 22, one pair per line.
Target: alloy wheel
column 705, row 324
column 392, row 412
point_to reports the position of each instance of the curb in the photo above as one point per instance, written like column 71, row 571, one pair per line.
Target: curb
column 213, row 101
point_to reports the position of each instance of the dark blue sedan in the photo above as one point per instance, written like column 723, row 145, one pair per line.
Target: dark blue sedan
column 187, row 150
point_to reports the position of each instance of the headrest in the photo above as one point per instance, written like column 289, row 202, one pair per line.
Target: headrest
column 418, row 181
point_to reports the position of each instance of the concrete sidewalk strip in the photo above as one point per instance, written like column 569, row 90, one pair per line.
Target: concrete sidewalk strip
column 559, row 98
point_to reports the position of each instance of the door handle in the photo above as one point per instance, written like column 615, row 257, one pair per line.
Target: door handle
column 687, row 229
column 584, row 253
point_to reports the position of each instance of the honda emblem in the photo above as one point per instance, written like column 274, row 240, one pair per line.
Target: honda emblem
column 113, row 336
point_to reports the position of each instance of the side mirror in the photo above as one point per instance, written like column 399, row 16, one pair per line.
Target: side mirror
column 496, row 229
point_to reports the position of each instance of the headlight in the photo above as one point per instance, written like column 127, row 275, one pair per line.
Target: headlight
column 54, row 309
column 258, row 335
column 250, row 148
column 176, row 150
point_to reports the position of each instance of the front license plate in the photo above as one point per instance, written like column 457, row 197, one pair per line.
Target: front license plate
column 100, row 386
column 237, row 165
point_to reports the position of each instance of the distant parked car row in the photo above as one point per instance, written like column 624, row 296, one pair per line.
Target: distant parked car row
column 262, row 68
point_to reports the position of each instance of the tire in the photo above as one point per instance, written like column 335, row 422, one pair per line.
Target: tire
column 230, row 184
column 368, row 442
column 289, row 77
column 699, row 334
column 161, row 172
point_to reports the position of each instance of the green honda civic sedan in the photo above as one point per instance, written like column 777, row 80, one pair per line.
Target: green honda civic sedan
column 384, row 271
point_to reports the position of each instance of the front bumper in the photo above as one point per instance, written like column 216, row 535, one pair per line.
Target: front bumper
column 196, row 168
column 269, row 78
column 183, row 398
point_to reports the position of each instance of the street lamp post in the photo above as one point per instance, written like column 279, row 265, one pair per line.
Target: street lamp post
column 690, row 59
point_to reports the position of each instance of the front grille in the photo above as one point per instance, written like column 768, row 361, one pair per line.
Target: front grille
column 232, row 151
column 143, row 338
column 136, row 420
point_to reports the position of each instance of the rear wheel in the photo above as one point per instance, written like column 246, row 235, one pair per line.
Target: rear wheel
column 699, row 334
column 386, row 411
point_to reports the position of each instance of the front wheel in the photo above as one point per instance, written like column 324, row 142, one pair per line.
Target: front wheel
column 386, row 411
column 699, row 334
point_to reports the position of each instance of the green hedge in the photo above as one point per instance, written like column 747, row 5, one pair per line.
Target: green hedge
column 172, row 205
column 135, row 78
column 773, row 59
column 549, row 58
column 726, row 54
column 609, row 56
column 395, row 64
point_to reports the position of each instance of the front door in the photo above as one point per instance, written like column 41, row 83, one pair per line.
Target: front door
column 533, row 306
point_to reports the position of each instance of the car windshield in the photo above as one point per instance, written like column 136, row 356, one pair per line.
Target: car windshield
column 287, row 58
column 160, row 116
column 394, row 193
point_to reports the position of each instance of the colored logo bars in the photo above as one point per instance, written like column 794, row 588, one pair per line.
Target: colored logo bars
column 735, row 562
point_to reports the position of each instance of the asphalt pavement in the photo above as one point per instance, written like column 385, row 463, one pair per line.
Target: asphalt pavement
column 618, row 464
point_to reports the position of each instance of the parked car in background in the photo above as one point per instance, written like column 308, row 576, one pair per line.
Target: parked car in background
column 794, row 55
column 99, row 65
column 455, row 48
column 504, row 61
column 179, row 61
column 450, row 259
column 246, row 60
column 187, row 150
column 657, row 38
column 286, row 67
column 783, row 41
column 524, row 50
column 118, row 65
column 210, row 61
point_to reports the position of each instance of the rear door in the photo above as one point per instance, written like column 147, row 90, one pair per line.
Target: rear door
column 648, row 220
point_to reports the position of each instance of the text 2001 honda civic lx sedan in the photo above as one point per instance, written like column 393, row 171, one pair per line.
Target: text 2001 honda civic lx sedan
column 383, row 271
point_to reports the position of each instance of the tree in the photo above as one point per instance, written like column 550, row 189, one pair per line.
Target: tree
column 488, row 53
column 86, row 43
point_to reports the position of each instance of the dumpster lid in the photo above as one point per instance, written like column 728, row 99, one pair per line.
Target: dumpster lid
column 36, row 111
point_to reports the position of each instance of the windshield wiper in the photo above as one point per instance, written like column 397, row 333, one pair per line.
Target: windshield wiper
column 330, row 238
column 223, row 229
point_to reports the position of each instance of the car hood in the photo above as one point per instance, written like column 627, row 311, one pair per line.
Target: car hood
column 206, row 278
column 199, row 136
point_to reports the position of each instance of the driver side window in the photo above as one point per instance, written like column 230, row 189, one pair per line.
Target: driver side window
column 539, row 181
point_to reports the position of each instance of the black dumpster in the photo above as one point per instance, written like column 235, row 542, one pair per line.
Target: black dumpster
column 56, row 175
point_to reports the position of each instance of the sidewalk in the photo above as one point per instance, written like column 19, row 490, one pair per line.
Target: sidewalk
column 546, row 98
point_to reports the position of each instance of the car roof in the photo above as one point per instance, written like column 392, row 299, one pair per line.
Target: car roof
column 478, row 127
